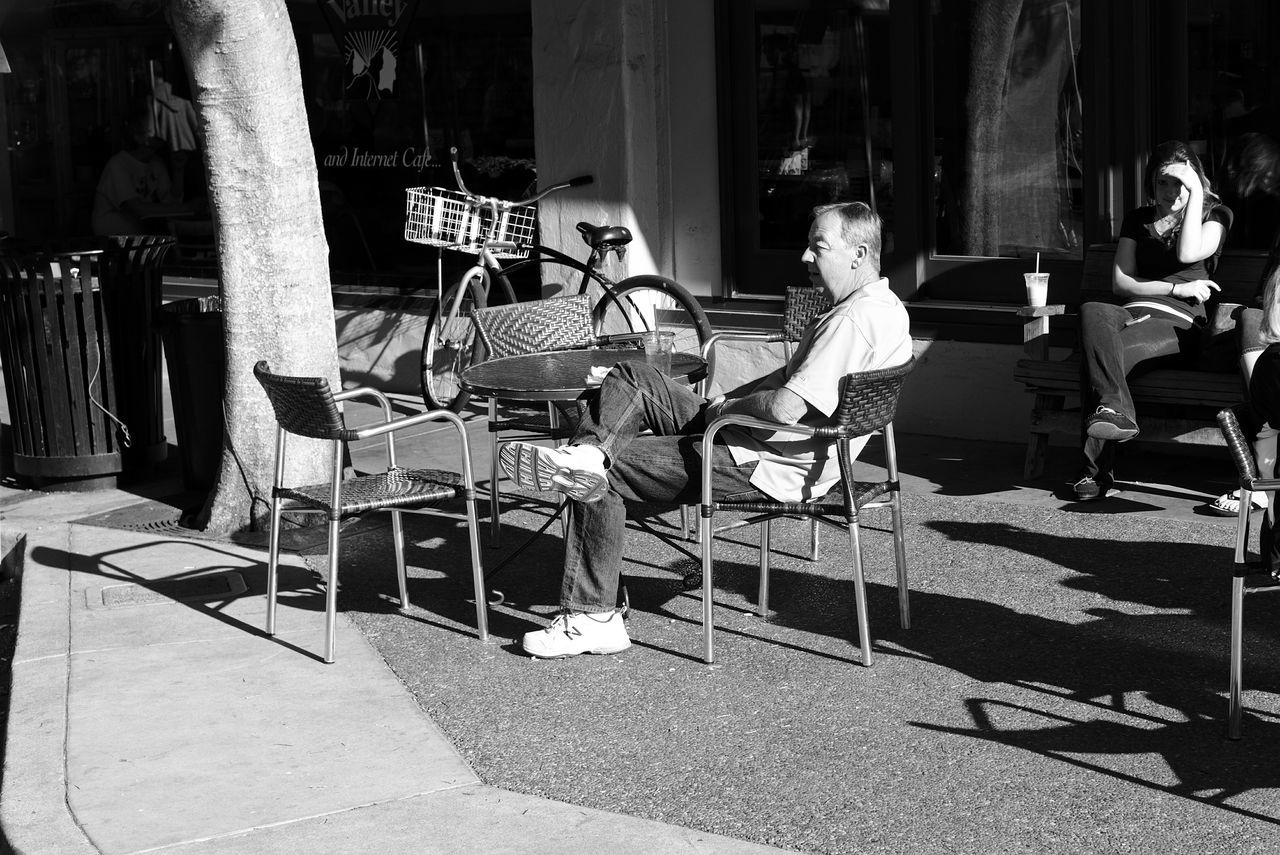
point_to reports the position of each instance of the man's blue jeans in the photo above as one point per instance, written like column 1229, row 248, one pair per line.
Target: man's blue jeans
column 663, row 467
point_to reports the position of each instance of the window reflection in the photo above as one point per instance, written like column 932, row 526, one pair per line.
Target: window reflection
column 823, row 117
column 1008, row 142
column 1233, row 110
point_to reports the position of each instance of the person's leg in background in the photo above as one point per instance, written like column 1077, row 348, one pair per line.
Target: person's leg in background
column 1113, row 341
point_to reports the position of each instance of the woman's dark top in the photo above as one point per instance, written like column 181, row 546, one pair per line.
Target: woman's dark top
column 1156, row 259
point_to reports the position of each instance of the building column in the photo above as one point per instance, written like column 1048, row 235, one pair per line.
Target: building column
column 599, row 95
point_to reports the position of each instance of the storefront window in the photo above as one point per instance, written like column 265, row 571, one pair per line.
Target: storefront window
column 384, row 116
column 1008, row 128
column 815, row 128
column 1233, row 110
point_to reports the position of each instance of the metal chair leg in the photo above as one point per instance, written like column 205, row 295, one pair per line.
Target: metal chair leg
column 1235, row 694
column 813, row 538
column 477, row 572
column 860, row 592
column 331, row 595
column 495, row 476
column 707, row 533
column 273, row 566
column 762, row 606
column 900, row 561
column 402, row 573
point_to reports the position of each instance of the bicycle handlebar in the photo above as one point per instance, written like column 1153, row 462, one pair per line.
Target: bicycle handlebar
column 580, row 181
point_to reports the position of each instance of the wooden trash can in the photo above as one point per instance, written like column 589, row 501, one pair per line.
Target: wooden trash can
column 59, row 372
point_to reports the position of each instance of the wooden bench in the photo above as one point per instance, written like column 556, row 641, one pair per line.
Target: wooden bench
column 1174, row 405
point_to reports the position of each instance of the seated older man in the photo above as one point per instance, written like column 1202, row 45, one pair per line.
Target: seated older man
column 609, row 461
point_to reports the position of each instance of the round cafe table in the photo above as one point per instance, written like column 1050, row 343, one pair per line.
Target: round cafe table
column 560, row 375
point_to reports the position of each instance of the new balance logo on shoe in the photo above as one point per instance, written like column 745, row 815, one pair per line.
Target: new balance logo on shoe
column 574, row 633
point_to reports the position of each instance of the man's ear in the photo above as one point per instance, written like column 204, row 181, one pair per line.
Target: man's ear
column 860, row 253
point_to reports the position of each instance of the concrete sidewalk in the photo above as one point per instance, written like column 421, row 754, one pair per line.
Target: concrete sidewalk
column 150, row 713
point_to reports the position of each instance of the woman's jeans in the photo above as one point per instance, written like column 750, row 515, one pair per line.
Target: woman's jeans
column 664, row 467
column 1113, row 343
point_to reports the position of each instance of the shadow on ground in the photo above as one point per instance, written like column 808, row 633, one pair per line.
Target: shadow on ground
column 1063, row 679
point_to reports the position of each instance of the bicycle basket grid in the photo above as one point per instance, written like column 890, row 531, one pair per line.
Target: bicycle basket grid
column 436, row 216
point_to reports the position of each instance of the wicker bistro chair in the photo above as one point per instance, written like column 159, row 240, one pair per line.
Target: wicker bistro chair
column 557, row 323
column 1249, row 577
column 868, row 402
column 306, row 406
column 803, row 304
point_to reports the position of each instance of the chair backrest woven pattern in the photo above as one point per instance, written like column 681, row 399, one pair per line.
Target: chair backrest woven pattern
column 804, row 303
column 1229, row 422
column 557, row 323
column 869, row 399
column 303, row 405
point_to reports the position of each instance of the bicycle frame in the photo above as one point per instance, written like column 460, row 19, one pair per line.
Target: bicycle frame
column 479, row 278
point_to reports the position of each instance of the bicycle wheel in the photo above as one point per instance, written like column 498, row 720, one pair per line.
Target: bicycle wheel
column 551, row 274
column 449, row 347
column 646, row 303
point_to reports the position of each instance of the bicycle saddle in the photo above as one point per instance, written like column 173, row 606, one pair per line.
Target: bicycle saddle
column 606, row 237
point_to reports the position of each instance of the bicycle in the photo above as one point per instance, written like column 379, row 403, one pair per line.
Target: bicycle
column 499, row 231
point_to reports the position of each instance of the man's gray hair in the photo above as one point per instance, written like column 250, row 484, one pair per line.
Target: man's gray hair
column 858, row 225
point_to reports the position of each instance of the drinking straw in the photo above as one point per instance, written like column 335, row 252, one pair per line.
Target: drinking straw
column 1037, row 262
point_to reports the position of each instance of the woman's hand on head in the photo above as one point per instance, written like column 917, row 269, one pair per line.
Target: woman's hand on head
column 1185, row 173
column 1198, row 291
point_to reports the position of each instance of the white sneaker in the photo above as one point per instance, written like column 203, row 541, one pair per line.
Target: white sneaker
column 577, row 471
column 572, row 633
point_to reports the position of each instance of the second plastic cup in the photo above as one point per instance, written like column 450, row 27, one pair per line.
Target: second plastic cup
column 657, row 349
column 1037, row 288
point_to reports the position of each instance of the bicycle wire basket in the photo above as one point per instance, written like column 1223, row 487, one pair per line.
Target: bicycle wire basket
column 436, row 216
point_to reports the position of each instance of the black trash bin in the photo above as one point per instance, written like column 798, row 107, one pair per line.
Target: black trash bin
column 131, row 292
column 59, row 373
column 193, row 349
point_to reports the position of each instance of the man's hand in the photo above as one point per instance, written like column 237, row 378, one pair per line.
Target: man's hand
column 773, row 405
column 714, row 408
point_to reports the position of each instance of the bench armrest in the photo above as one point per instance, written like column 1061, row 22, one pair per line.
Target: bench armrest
column 1035, row 328
column 1042, row 311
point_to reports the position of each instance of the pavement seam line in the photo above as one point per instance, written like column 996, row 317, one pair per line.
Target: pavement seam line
column 295, row 820
column 66, row 699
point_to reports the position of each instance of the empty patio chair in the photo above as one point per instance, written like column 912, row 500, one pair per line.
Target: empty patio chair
column 307, row 406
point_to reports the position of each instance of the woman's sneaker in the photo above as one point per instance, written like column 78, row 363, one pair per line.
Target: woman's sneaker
column 1087, row 489
column 572, row 633
column 1106, row 423
column 575, row 470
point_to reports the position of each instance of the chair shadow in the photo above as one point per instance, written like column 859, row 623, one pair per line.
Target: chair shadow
column 107, row 565
column 1162, row 675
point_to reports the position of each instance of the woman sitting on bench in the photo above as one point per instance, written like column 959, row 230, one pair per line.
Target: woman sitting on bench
column 1166, row 253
